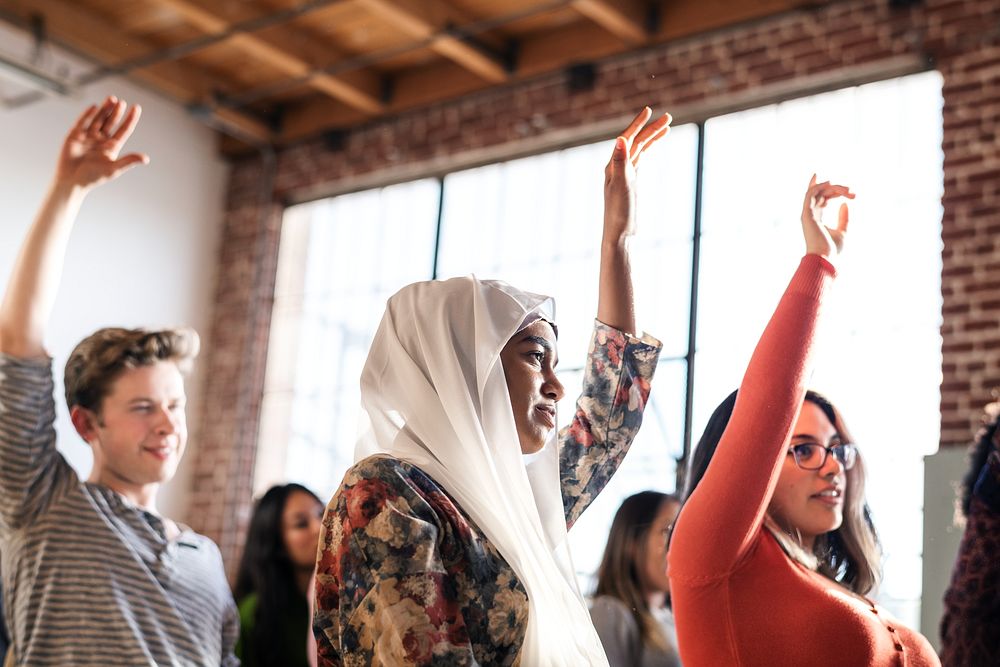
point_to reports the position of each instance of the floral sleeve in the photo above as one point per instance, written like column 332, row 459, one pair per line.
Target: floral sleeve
column 608, row 414
column 382, row 593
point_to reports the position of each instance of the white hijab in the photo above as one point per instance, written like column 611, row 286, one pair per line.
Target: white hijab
column 435, row 395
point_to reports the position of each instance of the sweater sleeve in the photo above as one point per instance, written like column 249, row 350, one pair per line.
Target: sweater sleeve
column 608, row 414
column 32, row 472
column 722, row 517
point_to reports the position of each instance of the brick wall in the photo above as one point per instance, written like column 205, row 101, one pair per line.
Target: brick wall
column 817, row 48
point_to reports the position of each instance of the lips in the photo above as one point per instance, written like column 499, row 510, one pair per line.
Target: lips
column 831, row 496
column 547, row 414
column 161, row 453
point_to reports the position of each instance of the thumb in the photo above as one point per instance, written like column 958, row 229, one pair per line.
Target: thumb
column 842, row 218
column 126, row 162
column 620, row 153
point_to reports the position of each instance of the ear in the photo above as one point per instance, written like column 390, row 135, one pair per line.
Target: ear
column 85, row 422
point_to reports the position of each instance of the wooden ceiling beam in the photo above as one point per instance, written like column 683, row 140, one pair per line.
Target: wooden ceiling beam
column 623, row 18
column 108, row 45
column 364, row 99
column 682, row 18
column 585, row 41
column 412, row 19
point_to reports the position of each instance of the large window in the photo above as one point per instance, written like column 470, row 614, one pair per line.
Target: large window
column 729, row 229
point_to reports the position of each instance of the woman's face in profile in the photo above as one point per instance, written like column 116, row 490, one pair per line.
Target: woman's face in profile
column 529, row 361
column 653, row 563
column 300, row 523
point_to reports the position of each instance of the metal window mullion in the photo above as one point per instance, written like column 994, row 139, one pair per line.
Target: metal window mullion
column 437, row 230
column 693, row 308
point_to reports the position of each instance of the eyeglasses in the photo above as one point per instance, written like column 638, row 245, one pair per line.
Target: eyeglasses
column 812, row 455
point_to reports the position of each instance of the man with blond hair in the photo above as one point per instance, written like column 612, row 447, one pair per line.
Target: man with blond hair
column 92, row 573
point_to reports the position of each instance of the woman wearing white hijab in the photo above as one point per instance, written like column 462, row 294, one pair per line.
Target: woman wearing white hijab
column 446, row 543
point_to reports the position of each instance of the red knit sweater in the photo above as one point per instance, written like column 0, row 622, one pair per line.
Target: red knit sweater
column 738, row 598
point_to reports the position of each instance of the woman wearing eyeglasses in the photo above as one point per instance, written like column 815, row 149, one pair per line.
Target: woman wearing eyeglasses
column 774, row 551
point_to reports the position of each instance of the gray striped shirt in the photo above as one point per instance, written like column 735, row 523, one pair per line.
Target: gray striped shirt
column 88, row 578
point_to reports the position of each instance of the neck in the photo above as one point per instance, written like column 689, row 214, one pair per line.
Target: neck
column 140, row 495
column 656, row 599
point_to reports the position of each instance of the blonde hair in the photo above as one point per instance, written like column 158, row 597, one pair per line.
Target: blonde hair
column 98, row 360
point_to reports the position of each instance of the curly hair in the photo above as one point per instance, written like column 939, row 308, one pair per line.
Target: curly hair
column 99, row 359
column 987, row 439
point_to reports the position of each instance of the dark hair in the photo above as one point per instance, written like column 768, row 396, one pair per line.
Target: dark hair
column 987, row 439
column 618, row 576
column 267, row 570
column 850, row 554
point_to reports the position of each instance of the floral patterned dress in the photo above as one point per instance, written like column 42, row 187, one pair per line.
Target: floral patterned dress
column 405, row 577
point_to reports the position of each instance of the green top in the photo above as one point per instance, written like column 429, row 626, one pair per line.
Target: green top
column 293, row 635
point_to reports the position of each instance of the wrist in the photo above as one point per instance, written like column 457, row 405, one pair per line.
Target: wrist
column 65, row 190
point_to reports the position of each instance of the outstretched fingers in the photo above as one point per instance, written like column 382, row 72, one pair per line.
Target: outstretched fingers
column 85, row 119
column 636, row 125
column 649, row 136
column 127, row 126
column 100, row 118
column 112, row 119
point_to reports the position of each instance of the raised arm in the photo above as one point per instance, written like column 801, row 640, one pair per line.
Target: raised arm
column 89, row 157
column 615, row 303
column 721, row 518
column 619, row 365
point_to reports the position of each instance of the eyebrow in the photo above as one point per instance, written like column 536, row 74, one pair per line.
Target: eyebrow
column 538, row 340
column 806, row 436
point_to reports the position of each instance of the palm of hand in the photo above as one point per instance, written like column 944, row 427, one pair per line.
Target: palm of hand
column 88, row 160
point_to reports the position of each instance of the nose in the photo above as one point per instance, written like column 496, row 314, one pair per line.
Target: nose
column 168, row 422
column 553, row 388
column 832, row 467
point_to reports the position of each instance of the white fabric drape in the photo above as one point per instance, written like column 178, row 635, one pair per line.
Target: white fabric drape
column 434, row 393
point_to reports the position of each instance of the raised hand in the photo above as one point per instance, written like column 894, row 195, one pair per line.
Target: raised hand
column 615, row 305
column 90, row 153
column 821, row 239
column 619, row 175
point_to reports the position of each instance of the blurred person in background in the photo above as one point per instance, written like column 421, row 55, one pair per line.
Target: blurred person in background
column 631, row 606
column 273, row 583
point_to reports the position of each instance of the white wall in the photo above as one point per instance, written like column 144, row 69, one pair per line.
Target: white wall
column 144, row 249
column 943, row 473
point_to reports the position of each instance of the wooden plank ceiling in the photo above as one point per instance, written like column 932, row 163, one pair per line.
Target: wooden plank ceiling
column 271, row 72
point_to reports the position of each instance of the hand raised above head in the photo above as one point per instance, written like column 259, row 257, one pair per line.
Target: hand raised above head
column 821, row 239
column 90, row 153
column 619, row 175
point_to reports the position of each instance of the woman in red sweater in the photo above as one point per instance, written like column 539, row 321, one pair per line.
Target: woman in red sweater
column 773, row 553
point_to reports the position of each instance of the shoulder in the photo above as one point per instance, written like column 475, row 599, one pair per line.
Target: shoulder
column 611, row 612
column 376, row 481
column 381, row 492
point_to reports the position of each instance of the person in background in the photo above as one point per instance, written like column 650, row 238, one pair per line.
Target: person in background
column 970, row 627
column 273, row 582
column 631, row 606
